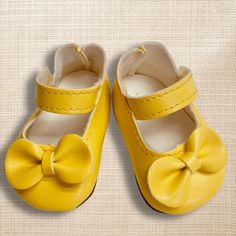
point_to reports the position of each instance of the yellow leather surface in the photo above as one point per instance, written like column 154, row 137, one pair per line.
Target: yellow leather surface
column 170, row 179
column 164, row 102
column 60, row 178
column 57, row 100
column 69, row 162
column 182, row 179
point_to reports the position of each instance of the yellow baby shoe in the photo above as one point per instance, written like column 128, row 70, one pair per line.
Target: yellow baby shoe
column 179, row 162
column 54, row 163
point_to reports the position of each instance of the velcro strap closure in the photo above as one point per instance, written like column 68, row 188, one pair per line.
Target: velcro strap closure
column 164, row 102
column 64, row 101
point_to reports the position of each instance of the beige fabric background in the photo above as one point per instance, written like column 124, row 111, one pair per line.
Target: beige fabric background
column 199, row 34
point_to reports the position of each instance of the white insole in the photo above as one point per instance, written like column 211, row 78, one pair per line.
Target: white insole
column 49, row 127
column 160, row 134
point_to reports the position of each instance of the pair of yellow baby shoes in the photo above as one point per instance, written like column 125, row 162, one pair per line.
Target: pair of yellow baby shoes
column 178, row 161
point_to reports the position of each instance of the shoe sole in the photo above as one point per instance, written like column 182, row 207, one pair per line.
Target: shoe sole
column 146, row 200
column 88, row 196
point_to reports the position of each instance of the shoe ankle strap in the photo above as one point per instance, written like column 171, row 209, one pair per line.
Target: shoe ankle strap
column 164, row 102
column 66, row 101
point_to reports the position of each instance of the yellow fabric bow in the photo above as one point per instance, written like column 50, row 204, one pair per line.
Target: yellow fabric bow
column 27, row 163
column 169, row 178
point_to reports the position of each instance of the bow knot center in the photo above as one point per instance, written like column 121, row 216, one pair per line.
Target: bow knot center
column 47, row 163
column 191, row 162
column 48, row 147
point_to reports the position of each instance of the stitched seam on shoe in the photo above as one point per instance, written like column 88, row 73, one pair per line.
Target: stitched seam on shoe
column 159, row 95
column 66, row 93
column 169, row 108
column 65, row 109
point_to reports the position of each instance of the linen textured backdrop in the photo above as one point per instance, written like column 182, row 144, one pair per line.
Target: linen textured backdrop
column 199, row 34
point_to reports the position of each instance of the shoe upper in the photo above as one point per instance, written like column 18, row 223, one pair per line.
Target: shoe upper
column 54, row 163
column 179, row 162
